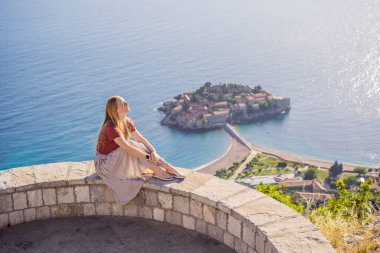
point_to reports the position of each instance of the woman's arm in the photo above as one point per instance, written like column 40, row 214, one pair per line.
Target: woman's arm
column 139, row 138
column 129, row 148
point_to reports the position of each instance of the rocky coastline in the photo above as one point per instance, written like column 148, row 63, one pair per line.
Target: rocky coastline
column 212, row 106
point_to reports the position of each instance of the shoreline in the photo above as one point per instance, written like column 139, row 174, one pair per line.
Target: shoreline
column 235, row 152
column 216, row 159
column 301, row 159
column 236, row 149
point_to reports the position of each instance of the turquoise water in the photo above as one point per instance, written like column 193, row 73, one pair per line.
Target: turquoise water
column 60, row 60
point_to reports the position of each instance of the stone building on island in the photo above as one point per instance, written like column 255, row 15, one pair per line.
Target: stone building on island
column 212, row 106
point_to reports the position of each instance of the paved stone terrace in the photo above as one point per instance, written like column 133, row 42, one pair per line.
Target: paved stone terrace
column 238, row 217
column 105, row 234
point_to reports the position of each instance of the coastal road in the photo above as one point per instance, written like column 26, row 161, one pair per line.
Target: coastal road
column 243, row 165
column 236, row 135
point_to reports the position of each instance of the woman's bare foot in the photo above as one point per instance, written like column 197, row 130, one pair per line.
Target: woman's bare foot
column 161, row 173
column 173, row 171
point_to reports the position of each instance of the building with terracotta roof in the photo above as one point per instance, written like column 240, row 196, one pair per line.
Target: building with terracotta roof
column 309, row 185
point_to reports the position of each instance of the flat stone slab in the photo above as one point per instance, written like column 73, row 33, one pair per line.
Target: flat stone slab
column 105, row 234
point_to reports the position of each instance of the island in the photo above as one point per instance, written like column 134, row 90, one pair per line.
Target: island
column 213, row 105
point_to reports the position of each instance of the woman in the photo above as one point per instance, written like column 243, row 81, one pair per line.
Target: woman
column 122, row 163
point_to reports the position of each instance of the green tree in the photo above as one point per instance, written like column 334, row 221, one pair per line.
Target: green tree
column 336, row 169
column 256, row 89
column 178, row 97
column 311, row 173
column 282, row 164
column 207, row 85
column 349, row 203
column 360, row 171
column 350, row 181
column 275, row 192
column 263, row 104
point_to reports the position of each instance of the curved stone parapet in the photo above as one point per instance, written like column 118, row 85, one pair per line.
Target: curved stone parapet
column 239, row 217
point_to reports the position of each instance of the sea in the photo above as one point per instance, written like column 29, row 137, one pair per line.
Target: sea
column 61, row 60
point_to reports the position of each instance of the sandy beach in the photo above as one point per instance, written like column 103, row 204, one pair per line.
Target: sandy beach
column 293, row 158
column 235, row 152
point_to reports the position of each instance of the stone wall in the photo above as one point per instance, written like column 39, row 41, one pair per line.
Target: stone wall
column 241, row 218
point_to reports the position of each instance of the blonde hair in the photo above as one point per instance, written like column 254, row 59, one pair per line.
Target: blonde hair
column 112, row 115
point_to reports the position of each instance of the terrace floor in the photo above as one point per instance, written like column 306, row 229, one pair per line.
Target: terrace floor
column 105, row 234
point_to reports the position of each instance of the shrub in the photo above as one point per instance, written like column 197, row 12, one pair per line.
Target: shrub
column 275, row 192
column 350, row 181
column 311, row 173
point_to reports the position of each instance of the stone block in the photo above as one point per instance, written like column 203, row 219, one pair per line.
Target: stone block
column 4, row 220
column 234, row 226
column 82, row 193
column 25, row 188
column 52, row 184
column 75, row 209
column 156, row 187
column 103, row 208
column 16, row 217
column 209, row 214
column 215, row 232
column 228, row 240
column 30, row 214
column 173, row 217
column 193, row 181
column 221, row 219
column 89, row 209
column 250, row 250
column 35, row 198
column 6, row 204
column 165, row 200
column 263, row 210
column 158, row 214
column 269, row 247
column 117, row 209
column 151, row 198
column 6, row 190
column 49, row 196
column 130, row 210
column 140, row 199
column 200, row 226
column 188, row 222
column 246, row 195
column 196, row 209
column 240, row 246
column 181, row 204
column 65, row 195
column 60, row 210
column 260, row 241
column 145, row 212
column 303, row 235
column 215, row 190
column 249, row 236
column 101, row 194
column 19, row 200
column 43, row 213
